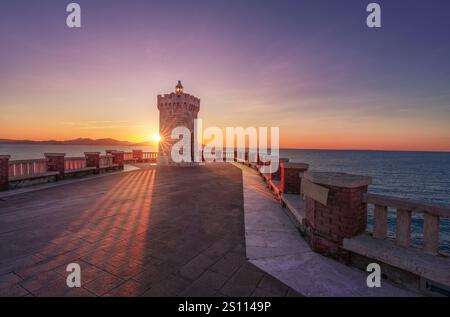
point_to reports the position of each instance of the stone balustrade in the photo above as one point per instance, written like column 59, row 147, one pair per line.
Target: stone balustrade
column 149, row 156
column 106, row 161
column 26, row 168
column 128, row 157
column 55, row 166
column 404, row 208
column 331, row 210
column 139, row 156
column 74, row 163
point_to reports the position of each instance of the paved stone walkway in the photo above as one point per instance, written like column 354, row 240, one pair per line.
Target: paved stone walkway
column 274, row 245
column 152, row 232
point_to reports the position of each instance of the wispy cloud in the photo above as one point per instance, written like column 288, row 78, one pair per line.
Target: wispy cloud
column 106, row 124
column 114, row 126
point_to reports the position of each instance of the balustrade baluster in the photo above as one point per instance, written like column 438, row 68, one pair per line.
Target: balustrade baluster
column 430, row 234
column 380, row 222
column 403, row 232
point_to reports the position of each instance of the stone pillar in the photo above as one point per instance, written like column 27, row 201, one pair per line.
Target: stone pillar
column 55, row 163
column 276, row 174
column 93, row 160
column 290, row 179
column 4, row 172
column 334, row 209
column 138, row 155
column 119, row 158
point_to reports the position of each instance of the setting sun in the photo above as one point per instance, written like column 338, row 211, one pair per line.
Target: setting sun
column 156, row 137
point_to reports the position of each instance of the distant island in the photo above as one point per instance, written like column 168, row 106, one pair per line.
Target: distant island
column 79, row 141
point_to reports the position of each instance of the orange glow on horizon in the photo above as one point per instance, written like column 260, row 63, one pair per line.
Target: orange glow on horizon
column 311, row 136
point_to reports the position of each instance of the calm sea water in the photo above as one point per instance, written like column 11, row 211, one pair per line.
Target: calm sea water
column 421, row 176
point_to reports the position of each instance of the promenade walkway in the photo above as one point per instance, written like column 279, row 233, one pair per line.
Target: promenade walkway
column 274, row 245
column 152, row 232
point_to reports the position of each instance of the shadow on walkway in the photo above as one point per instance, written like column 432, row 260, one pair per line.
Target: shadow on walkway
column 159, row 231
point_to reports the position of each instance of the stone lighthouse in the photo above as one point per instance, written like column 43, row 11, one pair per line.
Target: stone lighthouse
column 176, row 109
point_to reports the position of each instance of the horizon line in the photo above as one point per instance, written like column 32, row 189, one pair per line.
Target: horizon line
column 281, row 148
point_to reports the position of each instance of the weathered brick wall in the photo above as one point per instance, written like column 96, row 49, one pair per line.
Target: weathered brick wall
column 138, row 155
column 4, row 172
column 119, row 158
column 275, row 169
column 93, row 160
column 55, row 163
column 290, row 179
column 344, row 216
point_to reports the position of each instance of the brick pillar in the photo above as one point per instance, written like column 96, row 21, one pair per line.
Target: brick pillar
column 334, row 209
column 138, row 155
column 4, row 172
column 119, row 158
column 276, row 175
column 290, row 179
column 93, row 160
column 55, row 163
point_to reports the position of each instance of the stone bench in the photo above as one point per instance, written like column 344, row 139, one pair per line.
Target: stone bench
column 31, row 177
column 28, row 180
column 296, row 208
column 412, row 259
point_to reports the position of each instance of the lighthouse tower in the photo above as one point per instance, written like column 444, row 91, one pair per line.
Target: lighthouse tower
column 176, row 109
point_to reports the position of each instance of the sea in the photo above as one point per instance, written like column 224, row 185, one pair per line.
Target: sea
column 423, row 176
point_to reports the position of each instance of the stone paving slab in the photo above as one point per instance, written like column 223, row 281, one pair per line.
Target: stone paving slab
column 157, row 231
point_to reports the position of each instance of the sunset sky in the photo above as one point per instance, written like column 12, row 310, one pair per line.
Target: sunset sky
column 312, row 68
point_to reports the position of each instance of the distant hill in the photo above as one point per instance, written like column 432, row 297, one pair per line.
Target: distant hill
column 79, row 141
column 146, row 143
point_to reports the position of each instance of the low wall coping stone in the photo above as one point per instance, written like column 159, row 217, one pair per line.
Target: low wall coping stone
column 295, row 165
column 54, row 154
column 338, row 179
